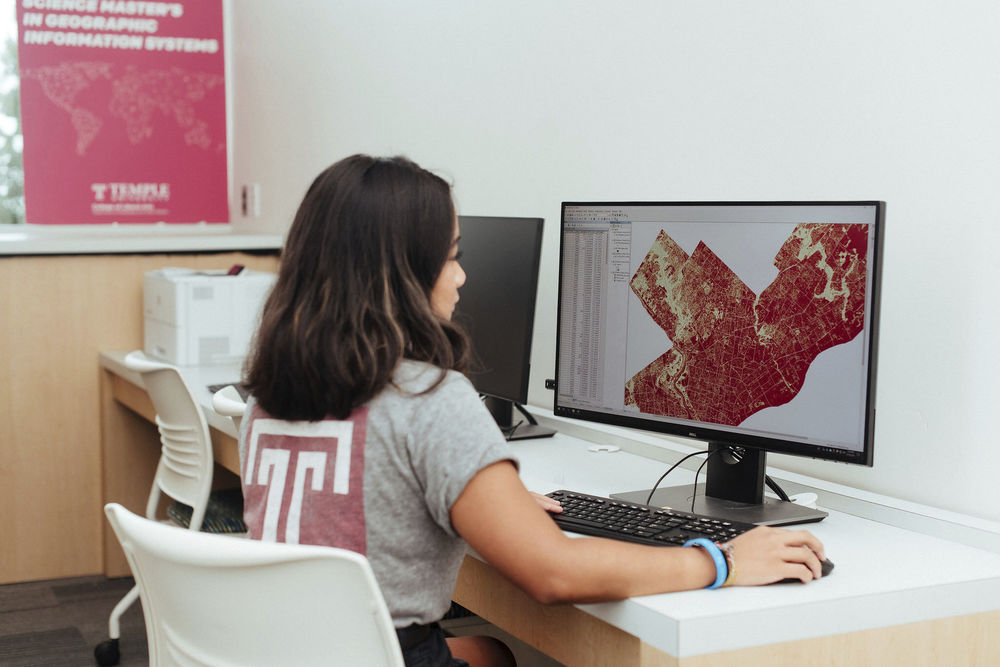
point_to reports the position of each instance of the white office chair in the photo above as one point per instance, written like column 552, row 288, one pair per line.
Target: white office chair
column 211, row 600
column 184, row 472
column 228, row 403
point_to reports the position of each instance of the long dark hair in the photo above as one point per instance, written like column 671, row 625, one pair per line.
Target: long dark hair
column 352, row 298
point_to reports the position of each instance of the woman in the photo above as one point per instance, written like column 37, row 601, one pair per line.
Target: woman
column 363, row 434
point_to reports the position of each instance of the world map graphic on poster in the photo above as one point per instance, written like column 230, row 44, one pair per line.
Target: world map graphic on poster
column 136, row 98
column 734, row 352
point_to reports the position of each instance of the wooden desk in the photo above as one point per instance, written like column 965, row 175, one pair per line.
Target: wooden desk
column 897, row 596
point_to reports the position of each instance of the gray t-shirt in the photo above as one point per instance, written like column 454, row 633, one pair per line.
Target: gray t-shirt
column 389, row 498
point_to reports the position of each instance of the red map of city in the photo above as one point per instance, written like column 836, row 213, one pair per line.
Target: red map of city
column 734, row 352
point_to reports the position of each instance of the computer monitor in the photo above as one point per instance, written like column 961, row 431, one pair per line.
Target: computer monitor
column 496, row 306
column 749, row 325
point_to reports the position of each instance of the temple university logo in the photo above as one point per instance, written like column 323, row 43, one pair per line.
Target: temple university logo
column 303, row 481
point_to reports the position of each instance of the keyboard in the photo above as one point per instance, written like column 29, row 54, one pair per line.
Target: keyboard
column 632, row 522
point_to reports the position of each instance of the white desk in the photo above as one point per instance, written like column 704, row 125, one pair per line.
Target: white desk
column 884, row 575
column 897, row 596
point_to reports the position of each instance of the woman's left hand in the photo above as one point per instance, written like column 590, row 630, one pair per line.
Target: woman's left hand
column 548, row 504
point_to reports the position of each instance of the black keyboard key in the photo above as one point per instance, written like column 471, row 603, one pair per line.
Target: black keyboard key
column 581, row 522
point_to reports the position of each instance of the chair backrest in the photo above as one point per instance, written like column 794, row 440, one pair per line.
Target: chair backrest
column 186, row 462
column 214, row 600
column 228, row 403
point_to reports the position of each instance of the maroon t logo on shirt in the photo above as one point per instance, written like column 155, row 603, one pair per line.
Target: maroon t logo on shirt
column 303, row 481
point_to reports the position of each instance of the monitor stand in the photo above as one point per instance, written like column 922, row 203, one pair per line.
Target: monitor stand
column 503, row 412
column 734, row 490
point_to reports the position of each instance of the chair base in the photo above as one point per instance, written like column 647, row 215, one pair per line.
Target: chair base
column 107, row 653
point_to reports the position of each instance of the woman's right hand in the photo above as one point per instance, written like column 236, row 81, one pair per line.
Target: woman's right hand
column 765, row 555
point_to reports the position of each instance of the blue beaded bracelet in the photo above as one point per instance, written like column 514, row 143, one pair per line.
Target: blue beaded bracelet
column 721, row 569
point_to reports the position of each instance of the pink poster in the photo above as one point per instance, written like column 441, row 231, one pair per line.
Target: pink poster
column 123, row 111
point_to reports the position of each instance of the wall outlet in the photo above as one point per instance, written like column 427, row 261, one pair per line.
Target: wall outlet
column 250, row 200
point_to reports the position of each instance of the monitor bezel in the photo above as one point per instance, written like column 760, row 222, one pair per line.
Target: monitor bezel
column 864, row 457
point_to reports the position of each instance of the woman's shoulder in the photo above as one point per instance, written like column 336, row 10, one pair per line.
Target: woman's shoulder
column 422, row 393
column 417, row 377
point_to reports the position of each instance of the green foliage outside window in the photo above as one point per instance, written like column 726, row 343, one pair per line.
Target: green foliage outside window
column 11, row 142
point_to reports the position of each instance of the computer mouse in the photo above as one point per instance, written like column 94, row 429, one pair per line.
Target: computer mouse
column 825, row 566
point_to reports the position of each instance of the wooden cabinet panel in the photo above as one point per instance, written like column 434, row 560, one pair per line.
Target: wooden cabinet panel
column 56, row 313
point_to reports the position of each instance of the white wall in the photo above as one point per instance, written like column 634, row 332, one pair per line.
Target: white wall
column 526, row 104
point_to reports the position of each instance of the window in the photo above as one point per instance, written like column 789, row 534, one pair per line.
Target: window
column 11, row 142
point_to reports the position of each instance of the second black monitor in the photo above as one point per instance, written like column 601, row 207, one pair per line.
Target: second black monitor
column 496, row 306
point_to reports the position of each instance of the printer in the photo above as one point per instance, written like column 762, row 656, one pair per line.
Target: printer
column 202, row 317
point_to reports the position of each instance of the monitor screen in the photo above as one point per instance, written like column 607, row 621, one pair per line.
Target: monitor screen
column 749, row 325
column 496, row 307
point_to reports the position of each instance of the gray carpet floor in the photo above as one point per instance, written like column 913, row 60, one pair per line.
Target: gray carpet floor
column 58, row 622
